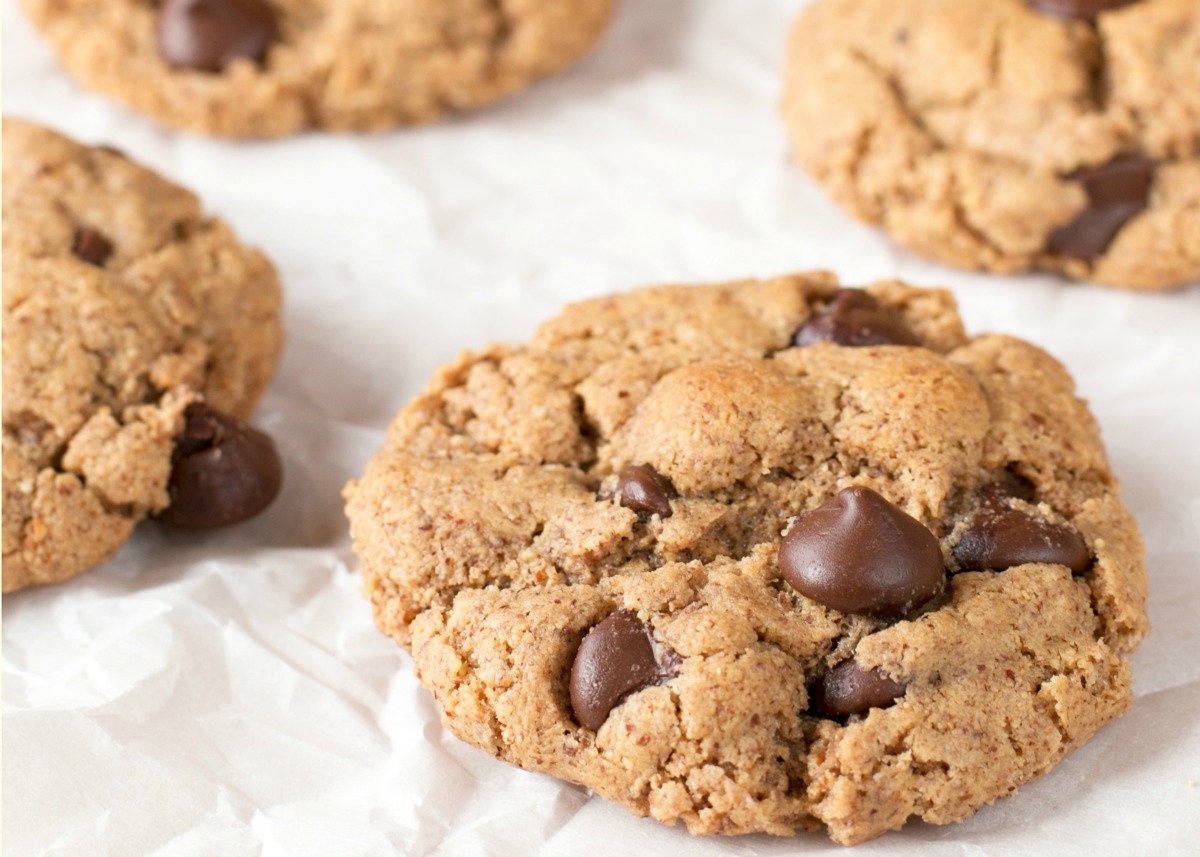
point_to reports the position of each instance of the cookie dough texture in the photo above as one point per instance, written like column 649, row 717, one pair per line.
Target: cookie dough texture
column 490, row 543
column 337, row 65
column 101, row 360
column 957, row 125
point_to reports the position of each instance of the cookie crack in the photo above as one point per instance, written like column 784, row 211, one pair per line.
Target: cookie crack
column 1101, row 85
column 898, row 95
column 505, row 25
column 1098, row 98
column 936, row 144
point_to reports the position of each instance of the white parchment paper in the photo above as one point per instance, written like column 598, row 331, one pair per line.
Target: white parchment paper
column 227, row 694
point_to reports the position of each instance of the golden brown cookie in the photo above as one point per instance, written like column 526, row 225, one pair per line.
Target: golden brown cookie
column 1009, row 135
column 760, row 556
column 268, row 68
column 137, row 334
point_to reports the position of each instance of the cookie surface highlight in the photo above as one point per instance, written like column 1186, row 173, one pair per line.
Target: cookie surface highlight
column 580, row 542
column 1008, row 135
column 124, row 307
column 269, row 68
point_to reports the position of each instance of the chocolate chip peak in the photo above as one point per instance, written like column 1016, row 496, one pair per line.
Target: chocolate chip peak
column 855, row 318
column 858, row 553
column 643, row 489
column 223, row 471
column 997, row 538
column 849, row 689
column 1085, row 10
column 92, row 247
column 207, row 35
column 615, row 659
column 1116, row 192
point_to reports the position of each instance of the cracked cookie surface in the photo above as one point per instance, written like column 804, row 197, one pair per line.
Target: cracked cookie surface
column 123, row 306
column 268, row 68
column 968, row 129
column 588, row 530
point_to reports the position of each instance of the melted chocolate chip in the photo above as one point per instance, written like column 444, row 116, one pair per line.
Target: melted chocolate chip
column 1084, row 10
column 998, row 538
column 207, row 35
column 92, row 247
column 1116, row 192
column 615, row 659
column 849, row 689
column 643, row 489
column 223, row 471
column 858, row 553
column 855, row 318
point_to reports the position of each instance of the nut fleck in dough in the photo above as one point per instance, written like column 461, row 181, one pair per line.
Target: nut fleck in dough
column 329, row 64
column 123, row 305
column 629, row 476
column 973, row 130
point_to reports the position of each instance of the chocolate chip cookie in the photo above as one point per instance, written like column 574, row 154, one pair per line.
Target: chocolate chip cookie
column 138, row 334
column 268, row 68
column 1009, row 135
column 761, row 556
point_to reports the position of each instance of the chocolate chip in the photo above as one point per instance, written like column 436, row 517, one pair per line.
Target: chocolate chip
column 223, row 471
column 1085, row 10
column 615, row 659
column 849, row 689
column 92, row 247
column 858, row 553
column 1116, row 192
column 644, row 489
column 997, row 538
column 207, row 35
column 855, row 318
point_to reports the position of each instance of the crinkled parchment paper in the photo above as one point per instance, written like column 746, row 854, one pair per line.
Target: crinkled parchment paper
column 228, row 695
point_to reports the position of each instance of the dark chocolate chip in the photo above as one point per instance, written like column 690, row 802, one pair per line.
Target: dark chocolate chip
column 1085, row 10
column 223, row 471
column 1116, row 192
column 615, row 659
column 858, row 553
column 643, row 489
column 855, row 318
column 207, row 35
column 849, row 689
column 998, row 538
column 92, row 247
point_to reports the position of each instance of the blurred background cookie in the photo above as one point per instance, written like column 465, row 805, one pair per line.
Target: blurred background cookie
column 267, row 68
column 138, row 334
column 1007, row 135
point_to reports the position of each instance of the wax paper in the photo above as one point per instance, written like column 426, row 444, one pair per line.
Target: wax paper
column 227, row 693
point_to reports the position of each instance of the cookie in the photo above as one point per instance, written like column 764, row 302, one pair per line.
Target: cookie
column 1009, row 135
column 268, row 68
column 138, row 334
column 760, row 557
